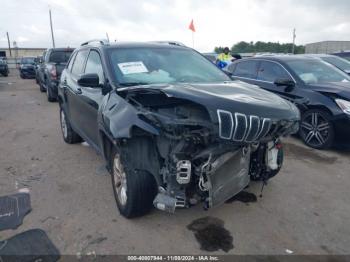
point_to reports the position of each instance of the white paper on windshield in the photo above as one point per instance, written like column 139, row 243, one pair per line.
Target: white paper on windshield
column 132, row 68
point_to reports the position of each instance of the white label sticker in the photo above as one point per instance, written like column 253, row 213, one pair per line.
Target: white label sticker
column 132, row 68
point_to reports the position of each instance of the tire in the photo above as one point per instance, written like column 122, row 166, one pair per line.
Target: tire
column 134, row 190
column 22, row 76
column 69, row 135
column 49, row 94
column 316, row 129
column 41, row 87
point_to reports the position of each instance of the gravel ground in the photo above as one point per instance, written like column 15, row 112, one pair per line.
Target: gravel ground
column 305, row 209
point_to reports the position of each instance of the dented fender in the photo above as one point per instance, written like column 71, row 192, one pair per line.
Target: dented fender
column 118, row 117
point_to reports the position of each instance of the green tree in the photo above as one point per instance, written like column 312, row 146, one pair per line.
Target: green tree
column 259, row 47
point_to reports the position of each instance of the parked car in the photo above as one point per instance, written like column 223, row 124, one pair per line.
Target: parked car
column 173, row 129
column 38, row 60
column 26, row 67
column 49, row 71
column 4, row 69
column 210, row 56
column 343, row 54
column 336, row 61
column 320, row 91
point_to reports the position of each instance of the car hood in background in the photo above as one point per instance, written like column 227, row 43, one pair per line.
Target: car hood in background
column 341, row 89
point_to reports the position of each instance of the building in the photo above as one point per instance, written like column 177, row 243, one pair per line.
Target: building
column 327, row 47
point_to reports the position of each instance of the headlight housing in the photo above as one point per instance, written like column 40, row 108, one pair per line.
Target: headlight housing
column 344, row 105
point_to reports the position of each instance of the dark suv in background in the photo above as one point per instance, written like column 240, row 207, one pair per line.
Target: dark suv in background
column 320, row 90
column 49, row 71
column 4, row 70
column 26, row 67
column 173, row 128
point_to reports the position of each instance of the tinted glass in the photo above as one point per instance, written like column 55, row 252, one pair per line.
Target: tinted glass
column 338, row 62
column 162, row 65
column 316, row 71
column 246, row 69
column 60, row 56
column 269, row 71
column 79, row 60
column 27, row 60
column 94, row 65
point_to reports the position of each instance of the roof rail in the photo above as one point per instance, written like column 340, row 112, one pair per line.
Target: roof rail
column 168, row 43
column 101, row 41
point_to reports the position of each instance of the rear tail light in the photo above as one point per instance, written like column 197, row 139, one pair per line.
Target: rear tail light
column 53, row 73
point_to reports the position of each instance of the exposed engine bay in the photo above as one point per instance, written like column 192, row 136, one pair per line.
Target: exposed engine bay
column 201, row 155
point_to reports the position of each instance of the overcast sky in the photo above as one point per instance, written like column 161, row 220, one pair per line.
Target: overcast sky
column 217, row 22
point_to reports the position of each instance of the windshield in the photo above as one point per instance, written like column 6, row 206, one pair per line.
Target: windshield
column 317, row 71
column 132, row 66
column 338, row 62
column 27, row 60
column 60, row 56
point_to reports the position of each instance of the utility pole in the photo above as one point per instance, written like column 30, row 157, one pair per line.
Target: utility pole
column 293, row 41
column 8, row 41
column 53, row 38
column 107, row 37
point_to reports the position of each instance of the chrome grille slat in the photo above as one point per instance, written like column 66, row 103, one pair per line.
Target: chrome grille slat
column 222, row 116
column 236, row 127
column 240, row 127
column 254, row 125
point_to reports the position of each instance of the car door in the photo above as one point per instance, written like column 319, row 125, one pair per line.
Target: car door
column 73, row 92
column 269, row 72
column 91, row 97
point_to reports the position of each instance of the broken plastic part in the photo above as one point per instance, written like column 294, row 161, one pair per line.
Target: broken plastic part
column 165, row 203
column 183, row 174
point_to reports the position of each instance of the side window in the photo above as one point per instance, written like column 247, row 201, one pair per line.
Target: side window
column 94, row 65
column 269, row 71
column 246, row 69
column 79, row 60
column 71, row 61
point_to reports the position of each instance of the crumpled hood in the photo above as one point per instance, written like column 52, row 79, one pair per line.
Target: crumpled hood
column 341, row 89
column 235, row 96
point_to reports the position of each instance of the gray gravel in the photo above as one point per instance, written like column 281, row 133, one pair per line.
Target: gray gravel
column 305, row 209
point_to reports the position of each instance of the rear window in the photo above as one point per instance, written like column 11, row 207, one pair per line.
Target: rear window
column 60, row 56
column 27, row 60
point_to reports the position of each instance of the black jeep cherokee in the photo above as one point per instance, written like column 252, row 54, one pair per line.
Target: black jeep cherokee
column 174, row 129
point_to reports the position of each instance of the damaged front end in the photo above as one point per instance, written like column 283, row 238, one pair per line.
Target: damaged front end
column 203, row 153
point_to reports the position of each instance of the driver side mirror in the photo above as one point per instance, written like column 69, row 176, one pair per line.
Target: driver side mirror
column 89, row 80
column 284, row 82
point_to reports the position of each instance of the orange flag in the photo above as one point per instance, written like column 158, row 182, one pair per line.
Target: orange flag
column 191, row 27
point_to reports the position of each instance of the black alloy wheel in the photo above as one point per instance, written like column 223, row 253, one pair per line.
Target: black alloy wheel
column 316, row 129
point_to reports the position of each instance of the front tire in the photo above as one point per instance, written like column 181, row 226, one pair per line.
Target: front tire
column 69, row 135
column 316, row 129
column 134, row 190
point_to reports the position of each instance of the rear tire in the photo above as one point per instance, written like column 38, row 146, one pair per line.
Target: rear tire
column 69, row 135
column 140, row 187
column 316, row 130
column 49, row 94
column 41, row 87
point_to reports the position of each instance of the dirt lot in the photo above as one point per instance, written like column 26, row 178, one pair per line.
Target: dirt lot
column 305, row 209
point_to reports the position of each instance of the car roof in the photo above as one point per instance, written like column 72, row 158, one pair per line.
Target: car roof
column 281, row 58
column 160, row 44
column 61, row 49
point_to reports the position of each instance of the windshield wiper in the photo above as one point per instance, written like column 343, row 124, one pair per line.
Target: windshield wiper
column 133, row 84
